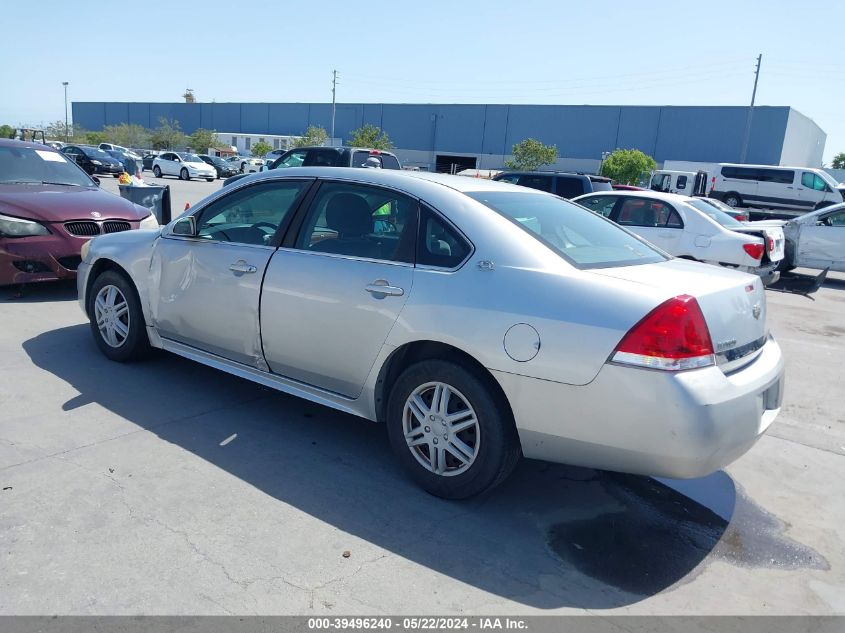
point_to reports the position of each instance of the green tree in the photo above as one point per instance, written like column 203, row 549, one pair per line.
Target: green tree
column 531, row 154
column 201, row 140
column 168, row 135
column 839, row 161
column 6, row 131
column 314, row 136
column 625, row 166
column 91, row 138
column 127, row 135
column 55, row 130
column 261, row 148
column 370, row 136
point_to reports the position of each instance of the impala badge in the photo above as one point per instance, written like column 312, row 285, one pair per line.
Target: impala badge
column 756, row 310
column 96, row 215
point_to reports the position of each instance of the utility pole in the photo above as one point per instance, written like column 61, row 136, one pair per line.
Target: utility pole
column 334, row 89
column 64, row 83
column 744, row 153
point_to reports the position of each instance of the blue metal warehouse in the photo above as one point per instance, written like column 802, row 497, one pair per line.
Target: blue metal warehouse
column 482, row 135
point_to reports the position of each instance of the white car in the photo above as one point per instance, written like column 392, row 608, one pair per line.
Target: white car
column 813, row 240
column 693, row 229
column 183, row 165
column 251, row 165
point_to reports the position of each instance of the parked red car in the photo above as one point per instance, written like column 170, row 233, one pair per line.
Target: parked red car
column 49, row 208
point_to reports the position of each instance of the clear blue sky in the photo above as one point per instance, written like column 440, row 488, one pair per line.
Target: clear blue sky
column 545, row 51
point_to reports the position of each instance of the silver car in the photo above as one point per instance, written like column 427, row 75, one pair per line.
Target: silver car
column 478, row 320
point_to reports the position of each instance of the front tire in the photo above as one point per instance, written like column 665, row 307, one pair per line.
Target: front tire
column 210, row 179
column 450, row 431
column 157, row 171
column 117, row 320
column 184, row 175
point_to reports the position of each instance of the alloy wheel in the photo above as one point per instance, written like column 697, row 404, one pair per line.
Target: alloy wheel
column 111, row 312
column 441, row 429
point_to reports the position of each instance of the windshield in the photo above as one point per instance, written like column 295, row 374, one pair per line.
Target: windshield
column 581, row 237
column 831, row 182
column 190, row 158
column 714, row 214
column 39, row 166
column 94, row 152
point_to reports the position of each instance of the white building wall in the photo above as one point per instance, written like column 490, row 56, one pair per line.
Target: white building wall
column 803, row 142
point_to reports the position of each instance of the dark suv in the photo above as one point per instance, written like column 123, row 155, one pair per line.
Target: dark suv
column 564, row 184
column 330, row 157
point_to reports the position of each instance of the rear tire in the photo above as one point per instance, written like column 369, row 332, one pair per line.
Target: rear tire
column 117, row 320
column 157, row 171
column 732, row 199
column 210, row 179
column 473, row 437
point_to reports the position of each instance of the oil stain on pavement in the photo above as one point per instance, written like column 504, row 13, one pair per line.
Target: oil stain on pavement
column 654, row 537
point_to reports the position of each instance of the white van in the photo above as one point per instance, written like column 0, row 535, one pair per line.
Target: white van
column 685, row 183
column 772, row 187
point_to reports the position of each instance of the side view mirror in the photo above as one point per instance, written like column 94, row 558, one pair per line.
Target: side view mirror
column 186, row 226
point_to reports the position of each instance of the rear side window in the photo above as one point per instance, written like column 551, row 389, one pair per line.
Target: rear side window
column 682, row 182
column 569, row 187
column 741, row 173
column 439, row 244
column 582, row 238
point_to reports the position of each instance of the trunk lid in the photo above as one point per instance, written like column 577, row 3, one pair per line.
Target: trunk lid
column 733, row 303
column 772, row 237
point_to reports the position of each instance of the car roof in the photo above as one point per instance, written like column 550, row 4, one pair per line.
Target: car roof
column 394, row 178
column 10, row 142
column 657, row 195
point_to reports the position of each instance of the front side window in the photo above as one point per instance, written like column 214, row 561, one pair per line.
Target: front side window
column 583, row 239
column 818, row 183
column 836, row 219
column 360, row 221
column 602, row 205
column 251, row 215
column 807, row 179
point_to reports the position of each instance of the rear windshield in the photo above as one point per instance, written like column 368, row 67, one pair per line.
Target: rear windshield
column 33, row 166
column 94, row 152
column 601, row 185
column 582, row 238
column 715, row 214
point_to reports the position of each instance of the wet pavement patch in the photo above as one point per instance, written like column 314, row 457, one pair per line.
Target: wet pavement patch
column 655, row 537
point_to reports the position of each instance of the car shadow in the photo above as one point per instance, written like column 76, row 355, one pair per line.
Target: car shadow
column 45, row 291
column 552, row 536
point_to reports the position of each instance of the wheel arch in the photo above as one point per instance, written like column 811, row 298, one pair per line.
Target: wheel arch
column 416, row 351
column 100, row 266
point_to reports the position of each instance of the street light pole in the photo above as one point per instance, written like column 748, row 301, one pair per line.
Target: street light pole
column 64, row 83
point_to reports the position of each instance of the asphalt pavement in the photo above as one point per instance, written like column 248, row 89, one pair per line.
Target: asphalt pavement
column 165, row 487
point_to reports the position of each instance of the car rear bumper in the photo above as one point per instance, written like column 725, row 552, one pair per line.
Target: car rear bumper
column 768, row 274
column 670, row 424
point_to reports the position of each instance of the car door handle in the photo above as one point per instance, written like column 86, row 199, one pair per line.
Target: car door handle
column 241, row 266
column 381, row 287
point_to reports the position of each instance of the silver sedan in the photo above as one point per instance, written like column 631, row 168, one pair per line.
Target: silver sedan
column 479, row 321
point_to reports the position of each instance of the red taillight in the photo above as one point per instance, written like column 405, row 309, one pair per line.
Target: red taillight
column 742, row 218
column 755, row 251
column 375, row 152
column 673, row 336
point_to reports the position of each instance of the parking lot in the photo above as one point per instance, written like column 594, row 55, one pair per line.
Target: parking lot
column 166, row 487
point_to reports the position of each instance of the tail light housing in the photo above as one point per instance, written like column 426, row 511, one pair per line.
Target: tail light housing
column 741, row 218
column 672, row 337
column 755, row 251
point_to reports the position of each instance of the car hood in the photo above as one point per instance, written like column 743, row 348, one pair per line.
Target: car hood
column 52, row 203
